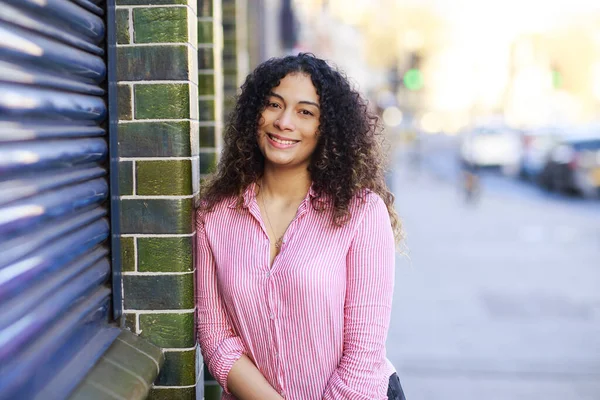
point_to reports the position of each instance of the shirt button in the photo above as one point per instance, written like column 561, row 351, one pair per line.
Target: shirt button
column 272, row 316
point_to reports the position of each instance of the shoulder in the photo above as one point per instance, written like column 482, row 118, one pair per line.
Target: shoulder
column 370, row 208
column 366, row 201
column 218, row 210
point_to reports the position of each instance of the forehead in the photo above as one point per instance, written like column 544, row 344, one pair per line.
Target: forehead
column 297, row 86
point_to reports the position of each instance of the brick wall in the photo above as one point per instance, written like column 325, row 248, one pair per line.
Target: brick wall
column 158, row 92
column 230, row 61
column 210, row 78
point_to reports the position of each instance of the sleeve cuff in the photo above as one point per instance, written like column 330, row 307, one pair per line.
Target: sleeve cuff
column 337, row 389
column 221, row 362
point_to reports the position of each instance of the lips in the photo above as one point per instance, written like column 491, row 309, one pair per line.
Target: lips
column 281, row 141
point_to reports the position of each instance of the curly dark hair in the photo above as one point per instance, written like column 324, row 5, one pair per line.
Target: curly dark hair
column 347, row 161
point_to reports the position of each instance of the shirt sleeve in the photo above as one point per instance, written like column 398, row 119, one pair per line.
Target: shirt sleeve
column 362, row 371
column 220, row 345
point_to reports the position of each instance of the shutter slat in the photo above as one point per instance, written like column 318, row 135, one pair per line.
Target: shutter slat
column 31, row 213
column 14, row 338
column 58, row 154
column 26, row 48
column 13, row 73
column 66, row 15
column 61, row 383
column 14, row 131
column 20, row 305
column 28, row 186
column 19, row 246
column 52, row 153
column 89, row 5
column 79, row 324
column 32, row 22
column 15, row 277
column 23, row 102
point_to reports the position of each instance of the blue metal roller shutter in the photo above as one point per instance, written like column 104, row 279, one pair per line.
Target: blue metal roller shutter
column 55, row 272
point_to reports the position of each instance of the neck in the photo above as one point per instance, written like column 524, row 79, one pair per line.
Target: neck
column 288, row 185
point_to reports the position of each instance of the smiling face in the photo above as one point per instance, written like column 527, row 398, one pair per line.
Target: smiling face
column 287, row 131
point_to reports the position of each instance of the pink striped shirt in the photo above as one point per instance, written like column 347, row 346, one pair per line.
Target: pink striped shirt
column 315, row 323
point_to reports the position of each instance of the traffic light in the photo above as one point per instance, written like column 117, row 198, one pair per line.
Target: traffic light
column 557, row 78
column 413, row 77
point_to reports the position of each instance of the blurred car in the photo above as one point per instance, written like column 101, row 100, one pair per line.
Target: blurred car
column 573, row 165
column 491, row 146
column 536, row 145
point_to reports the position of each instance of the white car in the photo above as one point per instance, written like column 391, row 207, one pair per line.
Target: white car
column 492, row 146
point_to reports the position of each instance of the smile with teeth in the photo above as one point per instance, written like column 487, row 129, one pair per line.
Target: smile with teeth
column 286, row 142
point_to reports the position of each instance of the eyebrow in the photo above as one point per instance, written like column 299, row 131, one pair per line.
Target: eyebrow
column 312, row 103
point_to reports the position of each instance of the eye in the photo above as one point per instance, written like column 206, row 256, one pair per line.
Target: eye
column 273, row 105
column 306, row 112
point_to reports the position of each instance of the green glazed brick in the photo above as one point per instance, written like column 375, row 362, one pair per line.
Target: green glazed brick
column 122, row 22
column 152, row 63
column 207, row 136
column 208, row 378
column 168, row 330
column 229, row 54
column 125, row 178
column 156, row 216
column 208, row 162
column 230, row 83
column 164, row 177
column 205, row 32
column 160, row 25
column 124, row 102
column 169, row 254
column 178, row 370
column 158, row 292
column 162, row 101
column 212, row 392
column 156, row 393
column 206, row 84
column 206, row 58
column 130, row 322
column 205, row 8
column 206, row 110
column 229, row 33
column 149, row 2
column 155, row 139
column 127, row 254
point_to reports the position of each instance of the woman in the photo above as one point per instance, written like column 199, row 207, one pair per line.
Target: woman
column 295, row 266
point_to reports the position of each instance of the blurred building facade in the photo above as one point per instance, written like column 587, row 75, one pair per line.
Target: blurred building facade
column 454, row 62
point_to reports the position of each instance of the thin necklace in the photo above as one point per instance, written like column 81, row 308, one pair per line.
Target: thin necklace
column 280, row 240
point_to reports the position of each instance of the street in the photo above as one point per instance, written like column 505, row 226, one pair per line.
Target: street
column 497, row 299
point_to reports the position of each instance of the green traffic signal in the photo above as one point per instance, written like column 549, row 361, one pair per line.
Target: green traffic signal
column 557, row 79
column 413, row 79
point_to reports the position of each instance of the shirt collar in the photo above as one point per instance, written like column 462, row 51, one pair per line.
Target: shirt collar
column 250, row 194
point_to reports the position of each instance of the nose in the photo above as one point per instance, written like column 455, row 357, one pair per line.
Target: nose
column 284, row 122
